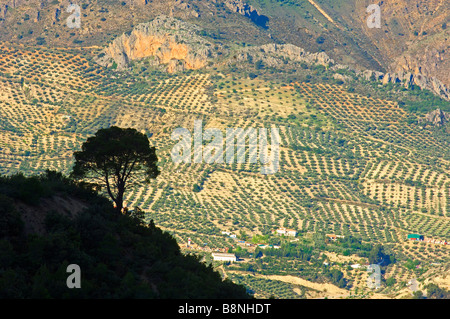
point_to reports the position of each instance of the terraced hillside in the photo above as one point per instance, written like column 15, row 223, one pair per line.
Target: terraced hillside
column 351, row 163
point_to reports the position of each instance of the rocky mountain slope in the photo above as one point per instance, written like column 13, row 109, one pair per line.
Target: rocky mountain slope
column 177, row 46
column 413, row 37
column 169, row 41
column 436, row 117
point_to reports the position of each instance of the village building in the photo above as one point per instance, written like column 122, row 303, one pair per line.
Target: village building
column 331, row 236
column 334, row 236
column 415, row 237
column 286, row 232
column 223, row 257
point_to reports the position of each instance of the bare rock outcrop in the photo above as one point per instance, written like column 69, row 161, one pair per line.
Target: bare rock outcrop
column 409, row 79
column 185, row 10
column 272, row 55
column 436, row 118
column 247, row 10
column 168, row 41
column 429, row 61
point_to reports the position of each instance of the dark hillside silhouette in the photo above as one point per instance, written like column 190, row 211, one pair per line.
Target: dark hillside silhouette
column 118, row 256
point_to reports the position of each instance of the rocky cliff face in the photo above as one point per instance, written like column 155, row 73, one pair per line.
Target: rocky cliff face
column 178, row 46
column 168, row 41
column 247, row 10
column 436, row 118
column 409, row 79
column 433, row 61
column 413, row 37
column 273, row 55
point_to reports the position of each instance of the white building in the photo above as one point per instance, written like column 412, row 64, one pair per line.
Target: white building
column 223, row 257
column 286, row 232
